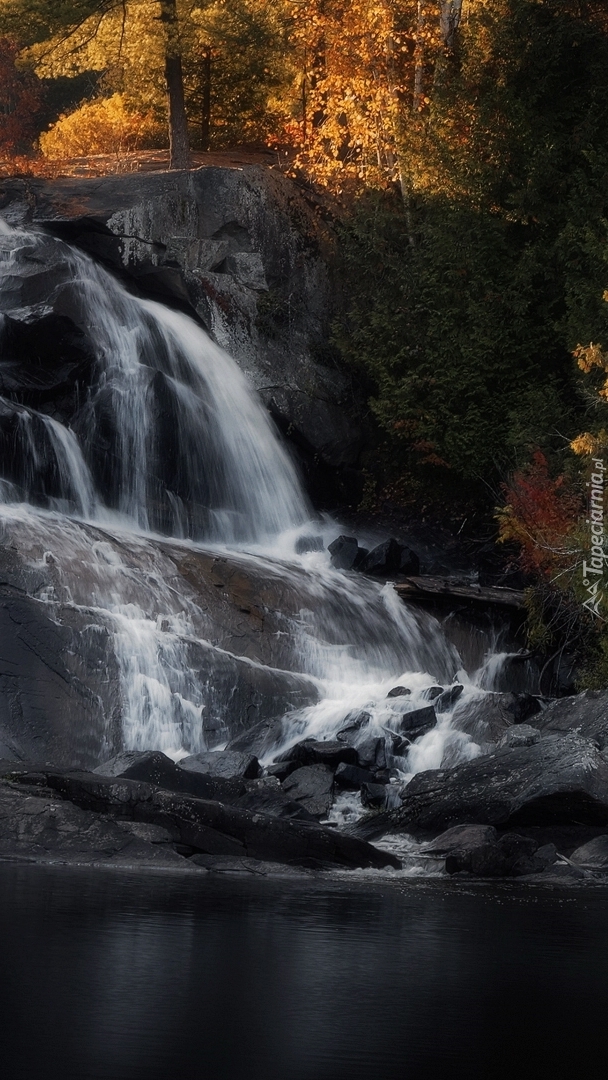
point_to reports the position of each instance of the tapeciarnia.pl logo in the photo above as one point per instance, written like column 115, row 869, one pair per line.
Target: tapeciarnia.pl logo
column 593, row 571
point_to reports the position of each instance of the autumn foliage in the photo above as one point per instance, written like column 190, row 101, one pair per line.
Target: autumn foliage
column 541, row 516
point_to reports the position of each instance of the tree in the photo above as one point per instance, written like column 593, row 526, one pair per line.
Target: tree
column 20, row 102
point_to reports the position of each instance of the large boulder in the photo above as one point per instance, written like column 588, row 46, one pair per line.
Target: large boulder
column 585, row 713
column 313, row 787
column 228, row 764
column 559, row 780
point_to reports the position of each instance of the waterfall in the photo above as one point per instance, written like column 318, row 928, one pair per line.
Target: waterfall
column 167, row 438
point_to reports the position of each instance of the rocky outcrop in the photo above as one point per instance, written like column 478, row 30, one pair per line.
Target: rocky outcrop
column 240, row 249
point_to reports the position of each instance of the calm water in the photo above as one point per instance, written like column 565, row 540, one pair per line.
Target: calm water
column 112, row 976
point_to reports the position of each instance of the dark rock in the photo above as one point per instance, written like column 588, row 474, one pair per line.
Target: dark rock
column 462, row 837
column 208, row 826
column 282, row 769
column 372, row 754
column 374, row 796
column 398, row 691
column 557, row 781
column 418, row 720
column 485, row 719
column 409, row 562
column 383, row 560
column 448, row 698
column 274, row 802
column 523, row 706
column 432, row 692
column 304, row 544
column 362, row 554
column 317, row 752
column 313, row 787
column 154, row 767
column 343, row 551
column 511, row 856
column 520, row 735
column 593, row 854
column 352, row 777
column 353, row 723
column 228, row 764
column 585, row 713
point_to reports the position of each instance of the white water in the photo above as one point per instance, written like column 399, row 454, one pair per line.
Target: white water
column 171, row 439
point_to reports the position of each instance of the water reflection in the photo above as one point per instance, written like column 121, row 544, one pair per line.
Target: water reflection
column 108, row 976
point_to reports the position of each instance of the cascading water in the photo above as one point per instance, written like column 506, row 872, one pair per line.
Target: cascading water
column 166, row 437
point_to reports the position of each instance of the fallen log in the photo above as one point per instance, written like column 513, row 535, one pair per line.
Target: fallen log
column 436, row 588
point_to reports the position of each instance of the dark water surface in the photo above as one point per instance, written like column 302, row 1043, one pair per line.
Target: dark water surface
column 107, row 975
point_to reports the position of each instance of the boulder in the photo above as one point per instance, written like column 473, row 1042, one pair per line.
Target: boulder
column 383, row 560
column 585, row 713
column 343, row 551
column 154, row 767
column 282, row 769
column 520, row 735
column 461, row 837
column 398, row 691
column 228, row 764
column 417, row 722
column 511, row 855
column 409, row 562
column 432, row 692
column 374, row 795
column 317, row 752
column 266, row 800
column 449, row 697
column 559, row 780
column 205, row 825
column 372, row 754
column 352, row 777
column 305, row 544
column 593, row 855
column 313, row 787
column 487, row 717
column 353, row 722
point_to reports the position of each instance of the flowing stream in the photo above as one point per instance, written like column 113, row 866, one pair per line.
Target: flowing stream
column 165, row 439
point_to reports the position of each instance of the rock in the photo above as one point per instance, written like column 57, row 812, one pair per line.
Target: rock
column 154, row 767
column 313, row 787
column 461, row 837
column 343, row 551
column 282, row 769
column 449, row 697
column 374, row 795
column 398, row 691
column 510, row 856
column 559, row 780
column 418, row 721
column 520, row 735
column 432, row 692
column 383, row 560
column 372, row 754
column 593, row 854
column 409, row 562
column 228, row 764
column 317, row 752
column 207, row 826
column 304, row 544
column 352, row 777
column 488, row 717
column 353, row 722
column 152, row 834
column 274, row 802
column 585, row 713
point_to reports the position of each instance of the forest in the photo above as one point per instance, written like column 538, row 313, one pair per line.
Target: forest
column 460, row 149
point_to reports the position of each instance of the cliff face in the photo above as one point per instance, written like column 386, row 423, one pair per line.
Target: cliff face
column 243, row 249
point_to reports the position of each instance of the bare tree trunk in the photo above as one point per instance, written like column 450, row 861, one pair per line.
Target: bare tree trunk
column 417, row 100
column 449, row 21
column 179, row 147
column 206, row 109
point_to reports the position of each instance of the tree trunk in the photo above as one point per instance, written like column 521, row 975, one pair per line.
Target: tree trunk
column 450, row 14
column 206, row 109
column 179, row 147
column 418, row 96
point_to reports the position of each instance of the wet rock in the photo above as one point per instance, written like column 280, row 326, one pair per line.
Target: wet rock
column 343, row 551
column 462, row 837
column 593, row 854
column 266, row 800
column 317, row 752
column 409, row 562
column 372, row 754
column 154, row 767
column 352, row 777
column 207, row 826
column 417, row 722
column 432, row 692
column 449, row 697
column 520, row 735
column 398, row 691
column 242, row 866
column 373, row 796
column 228, row 764
column 511, row 855
column 557, row 781
column 585, row 713
column 282, row 769
column 313, row 787
column 304, row 544
column 485, row 719
column 383, row 560
column 353, row 722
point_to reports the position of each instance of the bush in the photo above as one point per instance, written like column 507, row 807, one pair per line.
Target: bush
column 105, row 126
